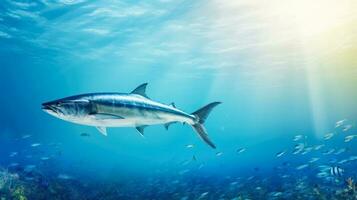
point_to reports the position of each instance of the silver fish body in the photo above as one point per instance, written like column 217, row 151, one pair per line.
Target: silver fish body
column 133, row 109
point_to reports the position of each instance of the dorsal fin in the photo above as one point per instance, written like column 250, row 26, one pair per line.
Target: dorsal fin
column 140, row 90
column 173, row 104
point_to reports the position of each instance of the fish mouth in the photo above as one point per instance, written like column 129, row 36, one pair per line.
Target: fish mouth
column 52, row 108
column 48, row 107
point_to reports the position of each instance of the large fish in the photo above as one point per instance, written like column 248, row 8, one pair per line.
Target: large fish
column 133, row 109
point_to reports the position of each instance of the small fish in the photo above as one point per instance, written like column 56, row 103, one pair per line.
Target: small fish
column 324, row 168
column 186, row 162
column 35, row 144
column 322, row 175
column 340, row 151
column 328, row 152
column 13, row 154
column 182, row 172
column 340, row 123
column 347, row 127
column 318, row 147
column 298, row 137
column 296, row 151
column 349, row 138
column 201, row 166
column 285, row 176
column 281, row 153
column 219, row 154
column 45, row 158
column 307, row 150
column 84, row 134
column 64, row 177
column 302, row 167
column 352, row 158
column 298, row 148
column 189, row 146
column 194, row 158
column 312, row 160
column 25, row 136
column 336, row 171
column 328, row 136
column 240, row 150
column 343, row 161
column 234, row 183
column 203, row 195
column 276, row 194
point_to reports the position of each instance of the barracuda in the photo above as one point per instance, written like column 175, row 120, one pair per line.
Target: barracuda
column 133, row 109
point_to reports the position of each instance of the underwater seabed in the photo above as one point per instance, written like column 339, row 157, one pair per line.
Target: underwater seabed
column 15, row 185
column 308, row 170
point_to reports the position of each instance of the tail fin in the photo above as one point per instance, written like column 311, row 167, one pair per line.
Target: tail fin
column 201, row 116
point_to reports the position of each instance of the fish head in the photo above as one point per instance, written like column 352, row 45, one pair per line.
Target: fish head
column 69, row 109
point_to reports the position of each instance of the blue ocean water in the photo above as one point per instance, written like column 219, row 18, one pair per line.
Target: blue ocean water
column 286, row 77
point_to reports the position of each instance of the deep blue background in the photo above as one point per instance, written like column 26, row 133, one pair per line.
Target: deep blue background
column 270, row 92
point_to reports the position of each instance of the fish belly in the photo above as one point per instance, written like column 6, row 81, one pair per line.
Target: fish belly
column 133, row 120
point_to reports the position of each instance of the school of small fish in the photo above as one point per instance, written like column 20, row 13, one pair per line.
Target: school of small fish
column 309, row 166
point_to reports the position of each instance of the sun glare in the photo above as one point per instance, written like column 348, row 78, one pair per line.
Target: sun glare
column 312, row 17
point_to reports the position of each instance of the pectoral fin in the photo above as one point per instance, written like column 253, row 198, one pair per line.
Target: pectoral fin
column 168, row 124
column 141, row 130
column 102, row 130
